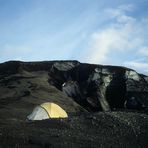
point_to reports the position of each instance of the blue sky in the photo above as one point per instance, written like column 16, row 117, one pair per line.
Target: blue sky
column 113, row 32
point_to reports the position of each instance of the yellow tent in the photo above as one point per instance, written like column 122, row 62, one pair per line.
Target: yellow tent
column 47, row 110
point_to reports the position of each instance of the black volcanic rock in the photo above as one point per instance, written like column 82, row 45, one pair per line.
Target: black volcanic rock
column 83, row 91
column 106, row 87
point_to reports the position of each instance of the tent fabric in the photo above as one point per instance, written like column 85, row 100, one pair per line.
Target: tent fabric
column 54, row 110
column 38, row 113
column 47, row 110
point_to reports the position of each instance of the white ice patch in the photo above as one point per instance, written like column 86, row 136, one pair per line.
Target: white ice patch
column 132, row 75
column 107, row 80
column 98, row 70
column 105, row 71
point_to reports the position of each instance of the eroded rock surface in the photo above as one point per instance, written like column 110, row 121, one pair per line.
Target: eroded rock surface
column 97, row 87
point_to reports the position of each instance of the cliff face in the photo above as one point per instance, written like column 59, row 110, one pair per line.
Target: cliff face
column 97, row 87
column 80, row 89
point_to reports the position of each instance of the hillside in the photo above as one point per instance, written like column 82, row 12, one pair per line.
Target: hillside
column 107, row 105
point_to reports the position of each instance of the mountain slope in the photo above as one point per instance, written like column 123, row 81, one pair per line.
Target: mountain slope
column 83, row 91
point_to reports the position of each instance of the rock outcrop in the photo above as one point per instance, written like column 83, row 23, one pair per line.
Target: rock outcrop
column 97, row 87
